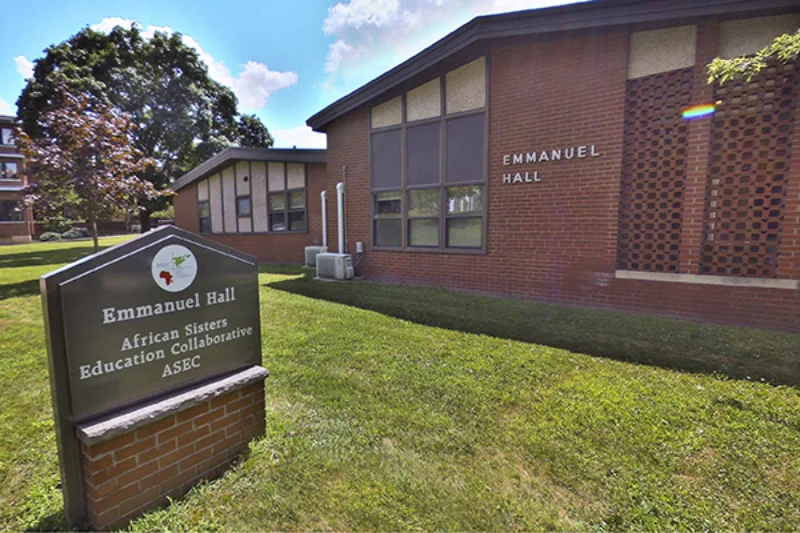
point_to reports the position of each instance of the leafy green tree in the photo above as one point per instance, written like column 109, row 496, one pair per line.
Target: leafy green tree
column 83, row 160
column 183, row 117
column 785, row 49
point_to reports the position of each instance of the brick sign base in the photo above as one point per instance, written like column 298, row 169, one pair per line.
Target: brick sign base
column 134, row 461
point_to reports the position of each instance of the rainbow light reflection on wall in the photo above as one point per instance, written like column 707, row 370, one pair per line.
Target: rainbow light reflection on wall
column 699, row 110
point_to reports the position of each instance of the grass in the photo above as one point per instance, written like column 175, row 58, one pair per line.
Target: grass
column 377, row 419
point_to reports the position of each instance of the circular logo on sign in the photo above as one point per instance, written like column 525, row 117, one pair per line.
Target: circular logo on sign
column 174, row 268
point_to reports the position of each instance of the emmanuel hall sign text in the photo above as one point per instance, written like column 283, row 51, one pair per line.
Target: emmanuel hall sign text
column 543, row 156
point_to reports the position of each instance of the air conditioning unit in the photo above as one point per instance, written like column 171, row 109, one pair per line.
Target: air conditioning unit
column 311, row 255
column 334, row 266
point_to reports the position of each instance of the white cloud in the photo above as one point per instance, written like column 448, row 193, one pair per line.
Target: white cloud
column 372, row 35
column 301, row 137
column 252, row 86
column 5, row 108
column 24, row 66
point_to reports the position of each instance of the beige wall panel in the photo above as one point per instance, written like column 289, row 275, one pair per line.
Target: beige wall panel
column 276, row 177
column 296, row 174
column 748, row 36
column 229, row 200
column 466, row 87
column 388, row 113
column 215, row 195
column 245, row 225
column 425, row 101
column 258, row 182
column 242, row 172
column 662, row 50
column 202, row 190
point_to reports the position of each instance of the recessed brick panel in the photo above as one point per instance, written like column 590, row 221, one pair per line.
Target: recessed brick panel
column 749, row 174
column 654, row 162
column 133, row 472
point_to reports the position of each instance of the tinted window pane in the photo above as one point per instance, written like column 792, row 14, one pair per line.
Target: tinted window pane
column 205, row 225
column 297, row 221
column 388, row 204
column 465, row 149
column 423, row 232
column 297, row 200
column 423, row 155
column 203, row 210
column 8, row 136
column 8, row 213
column 424, row 202
column 387, row 232
column 464, row 232
column 243, row 206
column 465, row 199
column 277, row 222
column 276, row 202
column 386, row 159
column 8, row 170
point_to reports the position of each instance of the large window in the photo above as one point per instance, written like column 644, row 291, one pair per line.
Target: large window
column 287, row 197
column 428, row 183
column 8, row 211
column 8, row 170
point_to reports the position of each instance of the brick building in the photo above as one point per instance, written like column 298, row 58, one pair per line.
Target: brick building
column 262, row 201
column 546, row 154
column 15, row 226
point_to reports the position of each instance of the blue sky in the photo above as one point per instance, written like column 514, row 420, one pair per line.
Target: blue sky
column 285, row 60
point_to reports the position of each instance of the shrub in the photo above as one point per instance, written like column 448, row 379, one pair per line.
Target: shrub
column 136, row 228
column 50, row 236
column 75, row 233
column 57, row 224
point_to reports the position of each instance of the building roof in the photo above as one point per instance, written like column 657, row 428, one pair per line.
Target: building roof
column 574, row 17
column 8, row 119
column 228, row 155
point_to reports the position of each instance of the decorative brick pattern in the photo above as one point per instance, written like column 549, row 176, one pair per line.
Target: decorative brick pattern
column 749, row 174
column 138, row 470
column 654, row 171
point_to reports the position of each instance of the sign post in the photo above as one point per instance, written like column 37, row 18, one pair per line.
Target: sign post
column 138, row 336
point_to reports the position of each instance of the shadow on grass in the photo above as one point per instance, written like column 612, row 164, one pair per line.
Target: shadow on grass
column 55, row 256
column 52, row 522
column 23, row 288
column 737, row 352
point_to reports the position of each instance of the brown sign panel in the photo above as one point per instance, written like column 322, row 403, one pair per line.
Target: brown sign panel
column 156, row 314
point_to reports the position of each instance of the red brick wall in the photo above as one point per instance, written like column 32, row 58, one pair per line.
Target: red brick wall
column 268, row 248
column 138, row 470
column 557, row 240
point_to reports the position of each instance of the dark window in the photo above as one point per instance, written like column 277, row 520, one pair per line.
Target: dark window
column 8, row 170
column 287, row 206
column 465, row 216
column 204, row 213
column 388, row 218
column 8, row 211
column 423, row 155
column 465, row 149
column 243, row 208
column 386, row 160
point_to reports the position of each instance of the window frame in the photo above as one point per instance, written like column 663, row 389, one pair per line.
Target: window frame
column 21, row 214
column 2, row 136
column 4, row 170
column 442, row 185
column 201, row 218
column 286, row 192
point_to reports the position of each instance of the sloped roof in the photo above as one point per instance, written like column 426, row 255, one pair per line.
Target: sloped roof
column 228, row 155
column 574, row 17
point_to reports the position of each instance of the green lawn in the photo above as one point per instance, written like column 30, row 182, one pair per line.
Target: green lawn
column 377, row 419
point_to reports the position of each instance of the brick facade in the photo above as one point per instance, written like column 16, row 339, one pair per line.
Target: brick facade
column 138, row 470
column 267, row 247
column 557, row 240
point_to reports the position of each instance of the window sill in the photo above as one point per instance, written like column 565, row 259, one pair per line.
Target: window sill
column 454, row 251
column 698, row 279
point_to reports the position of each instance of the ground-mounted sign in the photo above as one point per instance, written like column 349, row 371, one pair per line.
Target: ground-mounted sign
column 157, row 314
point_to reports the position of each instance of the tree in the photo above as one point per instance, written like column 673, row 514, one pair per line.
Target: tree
column 784, row 49
column 183, row 117
column 83, row 159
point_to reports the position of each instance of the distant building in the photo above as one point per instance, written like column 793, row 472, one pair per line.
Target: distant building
column 15, row 226
column 577, row 155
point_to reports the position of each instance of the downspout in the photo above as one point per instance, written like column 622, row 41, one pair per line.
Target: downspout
column 340, row 209
column 323, row 195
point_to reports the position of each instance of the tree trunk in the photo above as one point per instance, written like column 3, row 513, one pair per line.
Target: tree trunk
column 93, row 230
column 144, row 220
